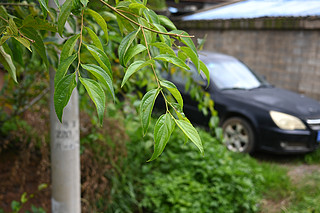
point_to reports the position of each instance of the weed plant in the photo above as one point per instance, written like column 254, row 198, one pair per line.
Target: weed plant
column 313, row 157
column 182, row 180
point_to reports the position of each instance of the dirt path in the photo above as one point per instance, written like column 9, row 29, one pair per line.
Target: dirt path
column 297, row 172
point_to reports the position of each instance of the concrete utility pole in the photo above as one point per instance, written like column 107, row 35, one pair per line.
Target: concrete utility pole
column 65, row 152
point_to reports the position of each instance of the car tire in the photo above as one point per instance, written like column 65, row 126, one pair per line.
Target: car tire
column 238, row 135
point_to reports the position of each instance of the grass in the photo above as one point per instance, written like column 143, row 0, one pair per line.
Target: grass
column 313, row 158
column 291, row 186
column 306, row 195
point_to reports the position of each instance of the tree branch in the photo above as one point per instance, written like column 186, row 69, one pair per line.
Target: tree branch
column 17, row 4
column 139, row 25
column 32, row 102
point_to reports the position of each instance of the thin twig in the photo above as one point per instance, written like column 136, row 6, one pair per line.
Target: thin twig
column 21, row 34
column 35, row 100
column 80, row 43
column 17, row 4
column 145, row 40
column 4, row 19
column 139, row 25
column 123, row 11
column 32, row 41
column 154, row 71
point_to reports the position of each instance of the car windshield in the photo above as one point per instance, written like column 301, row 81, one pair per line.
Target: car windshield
column 232, row 74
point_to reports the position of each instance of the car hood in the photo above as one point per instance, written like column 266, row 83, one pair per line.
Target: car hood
column 272, row 98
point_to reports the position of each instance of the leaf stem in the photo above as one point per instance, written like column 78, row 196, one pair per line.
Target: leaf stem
column 154, row 71
column 17, row 4
column 80, row 44
column 123, row 11
column 139, row 25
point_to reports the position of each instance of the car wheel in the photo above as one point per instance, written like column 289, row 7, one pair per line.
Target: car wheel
column 238, row 135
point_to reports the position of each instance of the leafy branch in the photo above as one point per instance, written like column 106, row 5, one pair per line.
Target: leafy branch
column 140, row 25
column 14, row 28
column 146, row 42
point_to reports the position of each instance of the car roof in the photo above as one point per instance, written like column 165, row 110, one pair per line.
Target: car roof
column 207, row 56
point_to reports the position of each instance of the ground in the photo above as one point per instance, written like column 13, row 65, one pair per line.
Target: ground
column 19, row 175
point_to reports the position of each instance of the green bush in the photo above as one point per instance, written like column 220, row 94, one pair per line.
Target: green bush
column 182, row 180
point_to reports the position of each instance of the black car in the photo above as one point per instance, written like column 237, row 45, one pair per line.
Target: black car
column 253, row 114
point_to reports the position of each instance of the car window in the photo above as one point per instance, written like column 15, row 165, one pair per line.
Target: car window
column 231, row 74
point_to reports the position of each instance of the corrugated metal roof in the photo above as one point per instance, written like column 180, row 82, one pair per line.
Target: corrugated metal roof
column 260, row 8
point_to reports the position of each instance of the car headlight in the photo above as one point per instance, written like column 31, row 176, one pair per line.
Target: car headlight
column 285, row 121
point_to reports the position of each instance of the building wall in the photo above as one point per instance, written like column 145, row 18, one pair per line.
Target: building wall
column 288, row 58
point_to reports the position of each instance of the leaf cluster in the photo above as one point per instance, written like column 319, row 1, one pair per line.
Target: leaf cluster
column 144, row 41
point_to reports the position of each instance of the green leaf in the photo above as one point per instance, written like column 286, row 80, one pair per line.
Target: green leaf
column 172, row 59
column 63, row 15
column 123, row 4
column 147, row 37
column 125, row 44
column 102, row 23
column 95, row 39
column 42, row 186
column 101, row 75
column 187, row 128
column 18, row 51
column 13, row 27
column 24, row 198
column 37, row 44
column 182, row 55
column 166, row 22
column 120, row 21
column 164, row 38
column 84, row 2
column 57, row 3
column 68, row 47
column 3, row 13
column 151, row 16
column 100, row 57
column 174, row 91
column 108, row 16
column 137, row 6
column 63, row 68
column 63, row 93
column 162, row 132
column 38, row 24
column 24, row 42
column 146, row 107
column 44, row 4
column 193, row 56
column 186, row 40
column 164, row 48
column 96, row 94
column 15, row 206
column 2, row 29
column 205, row 70
column 133, row 51
column 4, row 39
column 133, row 68
column 6, row 61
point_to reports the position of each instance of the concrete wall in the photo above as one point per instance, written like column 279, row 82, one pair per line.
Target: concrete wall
column 285, row 51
